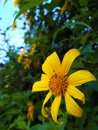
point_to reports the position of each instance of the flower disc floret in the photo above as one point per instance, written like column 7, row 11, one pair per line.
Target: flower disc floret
column 58, row 84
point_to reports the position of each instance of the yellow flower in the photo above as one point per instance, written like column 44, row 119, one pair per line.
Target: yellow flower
column 30, row 110
column 21, row 55
column 26, row 14
column 12, row 67
column 36, row 62
column 15, row 3
column 41, row 34
column 14, row 25
column 63, row 8
column 59, row 83
column 32, row 49
column 30, row 21
column 27, row 63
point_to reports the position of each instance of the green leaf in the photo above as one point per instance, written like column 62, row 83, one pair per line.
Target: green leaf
column 27, row 6
column 48, row 126
column 83, row 2
column 19, row 123
column 71, row 24
column 83, row 24
column 96, row 118
column 36, row 127
column 95, row 110
column 83, row 118
column 84, row 39
column 92, row 126
column 87, row 49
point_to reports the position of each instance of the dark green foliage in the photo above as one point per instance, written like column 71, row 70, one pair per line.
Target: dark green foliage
column 76, row 28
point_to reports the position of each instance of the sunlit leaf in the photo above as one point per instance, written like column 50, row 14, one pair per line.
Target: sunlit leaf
column 27, row 6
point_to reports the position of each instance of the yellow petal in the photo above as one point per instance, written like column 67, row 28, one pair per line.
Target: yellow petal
column 45, row 101
column 63, row 9
column 51, row 64
column 72, row 107
column 15, row 3
column 40, row 86
column 55, row 107
column 80, row 77
column 76, row 93
column 68, row 59
column 44, row 77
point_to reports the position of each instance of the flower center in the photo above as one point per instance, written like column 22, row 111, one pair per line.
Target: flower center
column 58, row 84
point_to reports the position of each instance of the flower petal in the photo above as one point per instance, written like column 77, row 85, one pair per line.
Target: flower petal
column 51, row 64
column 44, row 77
column 45, row 101
column 55, row 107
column 76, row 93
column 40, row 86
column 72, row 107
column 68, row 59
column 80, row 77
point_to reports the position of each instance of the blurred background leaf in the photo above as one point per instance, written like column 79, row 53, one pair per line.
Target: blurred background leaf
column 49, row 29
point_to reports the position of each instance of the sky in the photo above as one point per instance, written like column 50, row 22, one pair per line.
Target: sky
column 7, row 15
